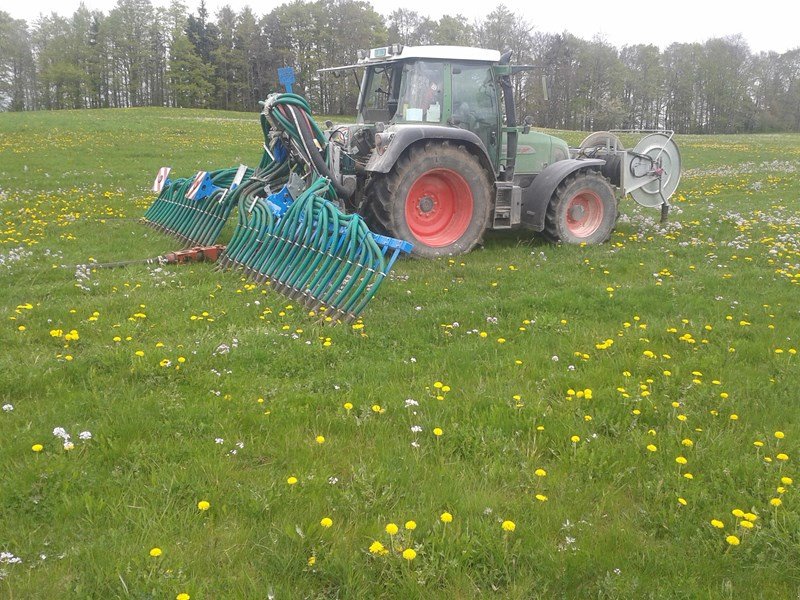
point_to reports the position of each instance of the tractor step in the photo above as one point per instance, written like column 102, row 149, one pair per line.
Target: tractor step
column 507, row 205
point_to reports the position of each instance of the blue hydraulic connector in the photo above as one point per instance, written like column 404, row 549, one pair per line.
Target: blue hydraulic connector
column 286, row 78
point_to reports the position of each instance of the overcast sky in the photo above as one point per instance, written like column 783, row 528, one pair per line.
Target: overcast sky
column 766, row 25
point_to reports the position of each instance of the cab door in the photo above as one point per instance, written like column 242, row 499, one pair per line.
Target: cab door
column 475, row 104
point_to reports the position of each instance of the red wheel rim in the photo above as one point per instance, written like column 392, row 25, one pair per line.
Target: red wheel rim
column 439, row 207
column 584, row 213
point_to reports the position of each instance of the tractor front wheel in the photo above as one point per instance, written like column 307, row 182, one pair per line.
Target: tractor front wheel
column 583, row 209
column 437, row 196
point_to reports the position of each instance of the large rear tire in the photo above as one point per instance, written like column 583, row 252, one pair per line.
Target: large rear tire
column 437, row 196
column 583, row 210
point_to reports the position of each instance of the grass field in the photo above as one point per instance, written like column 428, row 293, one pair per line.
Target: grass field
column 617, row 421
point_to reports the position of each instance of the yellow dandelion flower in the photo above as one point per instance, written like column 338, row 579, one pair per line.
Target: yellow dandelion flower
column 37, row 447
column 377, row 548
column 291, row 480
column 746, row 524
column 410, row 525
column 348, row 406
column 446, row 517
column 681, row 460
column 652, row 447
column 688, row 476
column 326, row 522
column 182, row 596
column 437, row 431
column 575, row 439
column 750, row 517
column 717, row 523
column 787, row 480
column 782, row 456
column 392, row 529
column 203, row 505
column 320, row 439
column 738, row 513
column 776, row 502
column 155, row 552
column 508, row 526
column 780, row 435
column 540, row 473
column 682, row 501
column 409, row 554
column 732, row 540
column 541, row 497
column 687, row 442
column 312, row 560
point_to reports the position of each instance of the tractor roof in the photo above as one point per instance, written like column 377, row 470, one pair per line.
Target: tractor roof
column 398, row 52
column 449, row 53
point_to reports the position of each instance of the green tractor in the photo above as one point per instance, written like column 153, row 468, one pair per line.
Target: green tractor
column 436, row 157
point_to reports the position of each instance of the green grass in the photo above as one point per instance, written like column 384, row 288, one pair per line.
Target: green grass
column 725, row 271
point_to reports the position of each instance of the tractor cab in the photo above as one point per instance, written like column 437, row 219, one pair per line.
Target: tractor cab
column 433, row 85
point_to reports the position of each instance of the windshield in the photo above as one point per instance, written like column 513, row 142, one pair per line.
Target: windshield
column 421, row 92
column 379, row 93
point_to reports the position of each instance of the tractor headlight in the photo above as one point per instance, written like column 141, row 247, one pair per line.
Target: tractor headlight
column 382, row 141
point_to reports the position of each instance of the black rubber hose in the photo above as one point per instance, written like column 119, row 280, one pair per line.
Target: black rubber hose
column 319, row 163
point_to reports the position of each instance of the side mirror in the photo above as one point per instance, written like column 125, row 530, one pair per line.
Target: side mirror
column 526, row 124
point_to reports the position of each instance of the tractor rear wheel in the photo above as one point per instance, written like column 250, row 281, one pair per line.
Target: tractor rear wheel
column 437, row 196
column 583, row 209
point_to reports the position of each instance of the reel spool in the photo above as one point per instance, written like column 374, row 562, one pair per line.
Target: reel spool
column 652, row 170
column 599, row 141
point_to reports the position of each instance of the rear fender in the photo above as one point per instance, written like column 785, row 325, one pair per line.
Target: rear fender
column 536, row 197
column 403, row 136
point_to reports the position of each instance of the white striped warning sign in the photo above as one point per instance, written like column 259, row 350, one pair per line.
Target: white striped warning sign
column 198, row 181
column 161, row 179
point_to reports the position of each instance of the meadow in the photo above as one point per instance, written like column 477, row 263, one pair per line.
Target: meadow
column 526, row 421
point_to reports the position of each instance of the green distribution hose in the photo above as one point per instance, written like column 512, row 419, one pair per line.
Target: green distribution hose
column 313, row 254
column 305, row 248
column 200, row 222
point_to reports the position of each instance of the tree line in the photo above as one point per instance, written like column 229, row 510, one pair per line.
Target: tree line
column 141, row 55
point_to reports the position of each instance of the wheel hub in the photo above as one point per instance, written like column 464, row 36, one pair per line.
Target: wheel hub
column 439, row 207
column 577, row 211
column 426, row 204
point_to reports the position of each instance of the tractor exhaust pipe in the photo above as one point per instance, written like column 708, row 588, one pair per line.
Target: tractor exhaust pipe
column 511, row 118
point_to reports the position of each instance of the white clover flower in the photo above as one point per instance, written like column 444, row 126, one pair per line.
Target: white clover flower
column 416, row 428
column 85, row 435
column 8, row 407
column 9, row 559
column 219, row 441
column 60, row 432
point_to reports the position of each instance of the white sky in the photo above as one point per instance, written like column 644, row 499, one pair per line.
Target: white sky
column 766, row 25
